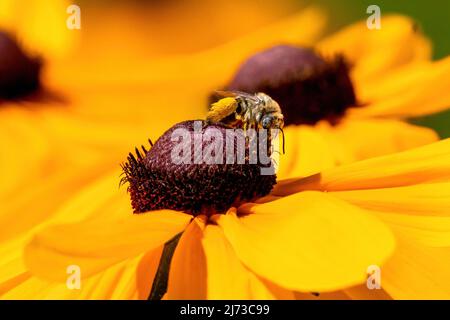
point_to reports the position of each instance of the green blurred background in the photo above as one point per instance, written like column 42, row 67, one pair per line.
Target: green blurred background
column 432, row 16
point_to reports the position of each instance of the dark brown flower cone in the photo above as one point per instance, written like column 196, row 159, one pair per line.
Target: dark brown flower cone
column 156, row 182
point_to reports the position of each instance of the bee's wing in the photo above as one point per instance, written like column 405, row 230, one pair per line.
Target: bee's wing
column 237, row 94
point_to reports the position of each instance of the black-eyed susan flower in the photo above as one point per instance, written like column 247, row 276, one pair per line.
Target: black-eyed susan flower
column 374, row 64
column 94, row 134
column 314, row 234
column 356, row 87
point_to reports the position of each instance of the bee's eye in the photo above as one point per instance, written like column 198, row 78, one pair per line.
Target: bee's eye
column 266, row 122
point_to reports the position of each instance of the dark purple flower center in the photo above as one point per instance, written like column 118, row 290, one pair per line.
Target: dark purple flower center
column 308, row 87
column 194, row 186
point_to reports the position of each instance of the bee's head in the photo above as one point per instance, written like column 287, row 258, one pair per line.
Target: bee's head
column 272, row 121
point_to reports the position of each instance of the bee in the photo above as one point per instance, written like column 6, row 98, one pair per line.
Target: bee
column 241, row 109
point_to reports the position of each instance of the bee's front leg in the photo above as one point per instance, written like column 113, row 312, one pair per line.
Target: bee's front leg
column 206, row 123
column 245, row 127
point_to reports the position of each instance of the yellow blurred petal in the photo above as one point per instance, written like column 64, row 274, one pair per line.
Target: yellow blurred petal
column 228, row 278
column 39, row 24
column 308, row 242
column 64, row 195
column 430, row 163
column 12, row 269
column 369, row 138
column 159, row 29
column 101, row 114
column 188, row 274
column 24, row 148
column 375, row 52
column 47, row 193
column 414, row 91
column 417, row 272
column 211, row 68
column 99, row 243
column 102, row 199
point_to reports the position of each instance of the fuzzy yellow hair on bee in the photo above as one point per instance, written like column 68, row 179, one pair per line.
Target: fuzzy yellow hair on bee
column 221, row 109
column 244, row 110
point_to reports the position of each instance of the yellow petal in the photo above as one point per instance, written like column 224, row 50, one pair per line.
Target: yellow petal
column 308, row 242
column 36, row 289
column 96, row 244
column 411, row 92
column 430, row 163
column 307, row 152
column 363, row 293
column 51, row 191
column 419, row 217
column 47, row 191
column 424, row 230
column 375, row 52
column 130, row 279
column 187, row 277
column 228, row 278
column 102, row 199
column 25, row 149
column 421, row 213
column 417, row 272
column 369, row 138
column 12, row 269
column 360, row 292
column 335, row 295
column 429, row 199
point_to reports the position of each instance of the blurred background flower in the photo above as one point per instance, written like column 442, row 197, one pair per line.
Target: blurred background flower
column 431, row 19
column 37, row 23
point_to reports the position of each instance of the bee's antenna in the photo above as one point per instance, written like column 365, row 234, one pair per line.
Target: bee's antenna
column 282, row 133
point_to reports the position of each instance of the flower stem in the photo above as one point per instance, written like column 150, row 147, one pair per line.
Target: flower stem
column 159, row 287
